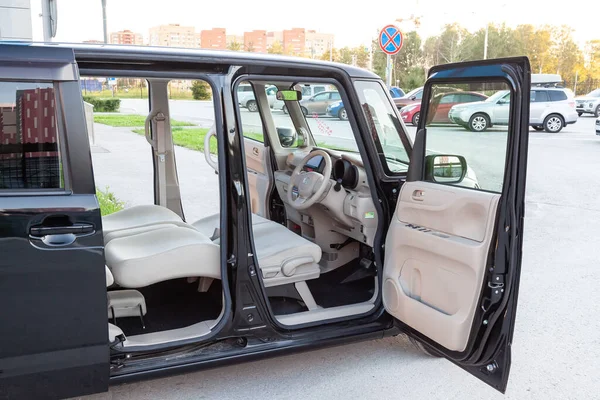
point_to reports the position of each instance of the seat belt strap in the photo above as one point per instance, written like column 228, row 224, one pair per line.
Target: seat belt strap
column 161, row 153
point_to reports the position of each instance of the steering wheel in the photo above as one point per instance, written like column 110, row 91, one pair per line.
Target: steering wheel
column 311, row 185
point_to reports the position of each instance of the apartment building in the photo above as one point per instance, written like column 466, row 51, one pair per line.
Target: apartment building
column 214, row 39
column 126, row 37
column 317, row 44
column 255, row 41
column 173, row 35
column 273, row 37
column 294, row 41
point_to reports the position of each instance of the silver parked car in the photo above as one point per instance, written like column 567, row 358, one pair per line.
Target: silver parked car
column 589, row 104
column 318, row 103
column 551, row 109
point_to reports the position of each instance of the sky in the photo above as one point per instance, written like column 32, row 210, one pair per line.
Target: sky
column 80, row 20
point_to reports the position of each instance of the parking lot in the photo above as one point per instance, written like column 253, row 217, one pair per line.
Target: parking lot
column 550, row 358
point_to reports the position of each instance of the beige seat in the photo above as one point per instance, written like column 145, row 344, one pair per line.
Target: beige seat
column 162, row 254
column 138, row 219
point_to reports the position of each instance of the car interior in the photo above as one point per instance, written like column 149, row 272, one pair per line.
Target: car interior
column 313, row 225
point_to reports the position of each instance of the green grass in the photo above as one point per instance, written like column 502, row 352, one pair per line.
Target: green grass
column 129, row 120
column 193, row 138
column 108, row 202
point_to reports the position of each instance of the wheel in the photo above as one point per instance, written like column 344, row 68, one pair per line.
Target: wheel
column 304, row 111
column 343, row 115
column 285, row 111
column 597, row 112
column 251, row 105
column 415, row 118
column 479, row 122
column 553, row 123
column 538, row 128
column 422, row 347
column 579, row 113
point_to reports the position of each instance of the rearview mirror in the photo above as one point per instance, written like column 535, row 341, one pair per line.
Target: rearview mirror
column 289, row 95
column 445, row 168
column 287, row 136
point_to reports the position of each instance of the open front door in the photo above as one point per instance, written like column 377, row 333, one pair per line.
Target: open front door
column 53, row 318
column 453, row 249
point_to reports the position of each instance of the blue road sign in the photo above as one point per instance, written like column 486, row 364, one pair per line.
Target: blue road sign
column 390, row 39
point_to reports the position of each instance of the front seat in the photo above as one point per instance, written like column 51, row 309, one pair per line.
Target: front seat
column 138, row 219
column 162, row 254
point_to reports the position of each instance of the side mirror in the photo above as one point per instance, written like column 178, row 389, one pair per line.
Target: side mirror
column 289, row 95
column 287, row 136
column 442, row 168
column 413, row 97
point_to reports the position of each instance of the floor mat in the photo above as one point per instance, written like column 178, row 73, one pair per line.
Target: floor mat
column 329, row 291
column 174, row 304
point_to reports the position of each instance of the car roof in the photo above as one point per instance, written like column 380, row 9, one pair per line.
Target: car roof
column 103, row 53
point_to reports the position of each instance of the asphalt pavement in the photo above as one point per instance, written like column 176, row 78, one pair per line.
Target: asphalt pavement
column 556, row 347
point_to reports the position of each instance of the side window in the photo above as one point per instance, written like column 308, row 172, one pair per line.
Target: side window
column 252, row 127
column 474, row 144
column 306, row 91
column 419, row 95
column 557, row 95
column 450, row 98
column 319, row 89
column 540, row 96
column 321, row 97
column 29, row 137
column 335, row 96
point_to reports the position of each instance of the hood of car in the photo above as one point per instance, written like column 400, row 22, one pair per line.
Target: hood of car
column 586, row 98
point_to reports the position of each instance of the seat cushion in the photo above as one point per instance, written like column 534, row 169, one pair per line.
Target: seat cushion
column 283, row 256
column 139, row 217
column 160, row 255
column 210, row 225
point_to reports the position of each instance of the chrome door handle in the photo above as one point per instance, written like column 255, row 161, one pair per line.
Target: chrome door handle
column 418, row 195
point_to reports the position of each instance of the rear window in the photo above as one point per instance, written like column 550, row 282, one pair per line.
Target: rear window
column 29, row 137
column 557, row 95
column 539, row 96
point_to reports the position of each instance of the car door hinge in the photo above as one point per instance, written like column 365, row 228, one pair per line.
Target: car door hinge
column 231, row 260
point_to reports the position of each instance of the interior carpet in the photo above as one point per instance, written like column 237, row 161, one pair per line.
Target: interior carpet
column 329, row 291
column 174, row 304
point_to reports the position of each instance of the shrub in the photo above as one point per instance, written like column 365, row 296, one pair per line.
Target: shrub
column 103, row 105
column 201, row 90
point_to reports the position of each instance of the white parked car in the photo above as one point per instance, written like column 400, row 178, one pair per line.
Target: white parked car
column 551, row 109
column 589, row 104
column 247, row 100
column 598, row 126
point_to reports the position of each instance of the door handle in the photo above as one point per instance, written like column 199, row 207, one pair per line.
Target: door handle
column 40, row 231
column 418, row 195
column 255, row 151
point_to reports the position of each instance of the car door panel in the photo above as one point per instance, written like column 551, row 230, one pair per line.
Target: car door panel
column 53, row 328
column 258, row 180
column 452, row 252
column 437, row 290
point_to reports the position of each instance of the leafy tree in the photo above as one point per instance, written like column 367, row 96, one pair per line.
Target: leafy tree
column 275, row 48
column 235, row 46
column 250, row 47
column 201, row 90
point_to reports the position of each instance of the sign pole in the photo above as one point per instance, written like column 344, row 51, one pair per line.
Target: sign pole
column 390, row 42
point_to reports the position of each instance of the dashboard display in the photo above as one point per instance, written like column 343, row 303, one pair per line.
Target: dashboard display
column 313, row 164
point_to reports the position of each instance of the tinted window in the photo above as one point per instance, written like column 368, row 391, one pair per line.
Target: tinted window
column 335, row 96
column 419, row 95
column 539, row 96
column 29, row 137
column 319, row 89
column 321, row 97
column 557, row 95
column 469, row 98
column 449, row 98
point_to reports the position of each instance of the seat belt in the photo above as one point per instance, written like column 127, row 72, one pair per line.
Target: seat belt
column 161, row 152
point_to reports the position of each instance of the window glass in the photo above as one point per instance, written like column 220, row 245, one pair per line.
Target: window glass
column 477, row 131
column 29, row 137
column 419, row 95
column 335, row 96
column 449, row 98
column 539, row 96
column 384, row 125
column 319, row 89
column 321, row 97
column 251, row 123
column 557, row 95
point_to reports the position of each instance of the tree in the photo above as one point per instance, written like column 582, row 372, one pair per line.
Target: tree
column 275, row 48
column 234, row 46
column 201, row 90
column 250, row 47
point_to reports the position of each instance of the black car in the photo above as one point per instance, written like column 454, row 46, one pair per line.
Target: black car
column 313, row 246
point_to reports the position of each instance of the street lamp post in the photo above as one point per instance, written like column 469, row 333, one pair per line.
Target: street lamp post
column 104, row 21
column 485, row 43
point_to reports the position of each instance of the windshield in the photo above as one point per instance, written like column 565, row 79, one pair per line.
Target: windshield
column 594, row 93
column 496, row 96
column 385, row 126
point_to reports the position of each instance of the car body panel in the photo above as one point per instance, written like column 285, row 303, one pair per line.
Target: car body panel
column 318, row 103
